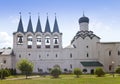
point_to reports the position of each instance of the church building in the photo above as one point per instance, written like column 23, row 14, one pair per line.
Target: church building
column 44, row 49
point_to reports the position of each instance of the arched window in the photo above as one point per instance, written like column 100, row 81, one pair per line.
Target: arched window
column 110, row 53
column 38, row 41
column 56, row 42
column 110, row 67
column 19, row 39
column 84, row 70
column 29, row 41
column 118, row 53
column 70, row 55
column 47, row 42
column 71, row 66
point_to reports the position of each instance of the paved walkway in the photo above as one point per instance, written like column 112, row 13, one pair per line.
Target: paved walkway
column 22, row 78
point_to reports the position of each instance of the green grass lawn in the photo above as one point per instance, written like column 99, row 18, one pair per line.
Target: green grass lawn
column 67, row 79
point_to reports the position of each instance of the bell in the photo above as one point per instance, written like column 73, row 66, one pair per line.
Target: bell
column 56, row 41
column 20, row 40
column 47, row 41
column 39, row 40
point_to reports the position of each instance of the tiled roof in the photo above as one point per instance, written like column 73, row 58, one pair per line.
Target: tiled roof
column 91, row 63
column 84, row 34
column 5, row 52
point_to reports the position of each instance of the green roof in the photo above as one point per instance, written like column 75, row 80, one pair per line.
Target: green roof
column 91, row 63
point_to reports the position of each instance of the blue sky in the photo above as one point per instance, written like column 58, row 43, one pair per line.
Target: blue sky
column 104, row 17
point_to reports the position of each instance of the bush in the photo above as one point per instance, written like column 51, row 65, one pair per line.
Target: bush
column 25, row 66
column 99, row 72
column 77, row 72
column 118, row 70
column 55, row 72
column 4, row 73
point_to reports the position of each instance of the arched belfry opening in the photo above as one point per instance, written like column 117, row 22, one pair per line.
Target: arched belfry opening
column 47, row 42
column 29, row 41
column 19, row 40
column 56, row 42
column 38, row 41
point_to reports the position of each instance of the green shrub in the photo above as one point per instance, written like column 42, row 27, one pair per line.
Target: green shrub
column 118, row 70
column 77, row 72
column 99, row 72
column 4, row 73
column 55, row 72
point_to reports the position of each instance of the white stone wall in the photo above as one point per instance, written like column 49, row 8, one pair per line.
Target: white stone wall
column 8, row 64
column 105, row 58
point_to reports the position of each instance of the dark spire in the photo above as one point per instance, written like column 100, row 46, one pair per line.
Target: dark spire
column 83, row 14
column 20, row 26
column 55, row 29
column 38, row 28
column 30, row 28
column 47, row 27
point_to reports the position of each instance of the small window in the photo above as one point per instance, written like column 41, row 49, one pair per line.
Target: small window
column 4, row 61
column 39, row 56
column 87, row 46
column 19, row 56
column 109, row 53
column 70, row 55
column 118, row 52
column 56, row 55
column 71, row 66
column 65, row 70
column 110, row 67
column 47, row 55
column 29, row 54
column 87, row 55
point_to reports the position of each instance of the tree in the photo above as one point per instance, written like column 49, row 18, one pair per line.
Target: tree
column 25, row 66
column 118, row 70
column 4, row 73
column 99, row 72
column 55, row 72
column 77, row 72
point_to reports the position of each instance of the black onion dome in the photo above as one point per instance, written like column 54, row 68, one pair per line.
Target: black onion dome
column 84, row 19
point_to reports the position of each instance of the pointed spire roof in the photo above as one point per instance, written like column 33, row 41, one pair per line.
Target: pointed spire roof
column 30, row 28
column 55, row 29
column 47, row 27
column 20, row 25
column 38, row 28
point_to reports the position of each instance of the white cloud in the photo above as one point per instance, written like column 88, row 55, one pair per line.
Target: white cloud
column 5, row 40
column 106, row 32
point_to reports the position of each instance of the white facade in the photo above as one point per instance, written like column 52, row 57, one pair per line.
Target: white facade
column 45, row 49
